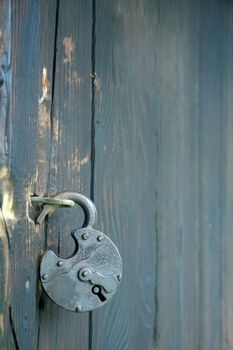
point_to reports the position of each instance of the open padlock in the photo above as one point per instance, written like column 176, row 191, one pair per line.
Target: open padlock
column 91, row 276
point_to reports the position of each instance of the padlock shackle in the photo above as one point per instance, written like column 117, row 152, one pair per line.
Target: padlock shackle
column 68, row 198
column 85, row 203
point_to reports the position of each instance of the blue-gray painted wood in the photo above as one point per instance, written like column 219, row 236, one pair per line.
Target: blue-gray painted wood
column 138, row 116
column 70, row 162
column 125, row 184
column 179, row 85
column 6, row 336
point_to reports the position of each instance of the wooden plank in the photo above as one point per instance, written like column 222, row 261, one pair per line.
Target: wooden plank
column 226, row 262
column 190, row 72
column 210, row 172
column 183, row 109
column 126, row 125
column 70, row 165
column 177, row 324
column 27, row 140
column 162, row 167
column 6, row 337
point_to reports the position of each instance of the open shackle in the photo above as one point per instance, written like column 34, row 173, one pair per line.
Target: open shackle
column 66, row 199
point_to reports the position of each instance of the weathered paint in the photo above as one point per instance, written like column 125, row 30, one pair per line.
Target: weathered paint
column 137, row 113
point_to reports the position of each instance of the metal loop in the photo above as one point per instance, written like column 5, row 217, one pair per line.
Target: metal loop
column 52, row 201
column 85, row 203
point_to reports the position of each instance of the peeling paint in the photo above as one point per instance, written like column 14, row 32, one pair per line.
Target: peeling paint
column 2, row 41
column 27, row 284
column 74, row 79
column 97, row 84
column 56, row 128
column 71, row 76
column 5, row 254
column 7, row 197
column 44, row 120
column 76, row 163
column 45, row 86
column 69, row 49
column 1, row 323
column 3, row 172
column 96, row 81
column 27, row 198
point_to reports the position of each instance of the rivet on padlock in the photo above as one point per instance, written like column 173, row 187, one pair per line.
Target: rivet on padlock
column 91, row 276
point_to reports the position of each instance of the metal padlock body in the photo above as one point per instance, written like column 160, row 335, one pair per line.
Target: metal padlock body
column 87, row 279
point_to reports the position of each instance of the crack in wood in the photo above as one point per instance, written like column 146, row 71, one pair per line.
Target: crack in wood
column 93, row 57
column 41, row 299
column 13, row 329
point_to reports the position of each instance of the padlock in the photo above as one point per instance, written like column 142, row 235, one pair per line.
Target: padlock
column 91, row 276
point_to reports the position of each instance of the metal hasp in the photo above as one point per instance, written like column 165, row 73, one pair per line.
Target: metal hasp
column 91, row 276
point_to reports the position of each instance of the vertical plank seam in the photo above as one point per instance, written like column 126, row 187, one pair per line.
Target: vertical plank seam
column 13, row 329
column 53, row 88
column 5, row 178
column 93, row 56
column 51, row 143
column 92, row 184
column 156, row 330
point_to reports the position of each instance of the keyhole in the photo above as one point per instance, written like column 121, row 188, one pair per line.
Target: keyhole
column 97, row 291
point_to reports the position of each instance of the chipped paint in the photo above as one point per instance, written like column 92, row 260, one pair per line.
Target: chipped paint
column 1, row 323
column 71, row 76
column 69, row 49
column 45, row 86
column 96, row 81
column 7, row 207
column 7, row 196
column 27, row 284
column 27, row 197
column 5, row 254
column 7, row 220
column 3, row 172
column 74, row 79
column 84, row 160
column 76, row 162
column 44, row 120
column 1, row 43
column 56, row 128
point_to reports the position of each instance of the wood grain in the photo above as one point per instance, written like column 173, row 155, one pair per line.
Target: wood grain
column 211, row 169
column 227, row 183
column 138, row 116
column 28, row 144
column 6, row 336
column 125, row 188
column 70, row 159
column 178, row 288
column 184, row 99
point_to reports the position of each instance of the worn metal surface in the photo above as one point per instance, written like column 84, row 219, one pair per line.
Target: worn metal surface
column 91, row 275
column 71, row 282
column 85, row 203
column 53, row 201
column 67, row 198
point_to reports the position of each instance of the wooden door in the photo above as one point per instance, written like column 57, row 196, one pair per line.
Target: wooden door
column 137, row 115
